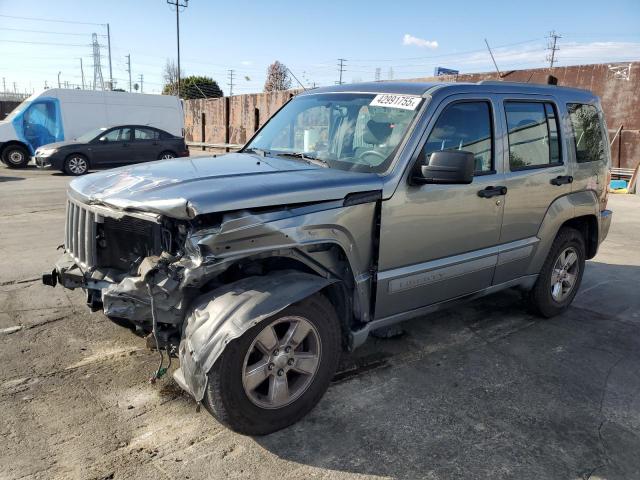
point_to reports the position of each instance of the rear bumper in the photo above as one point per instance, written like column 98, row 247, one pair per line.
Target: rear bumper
column 605, row 224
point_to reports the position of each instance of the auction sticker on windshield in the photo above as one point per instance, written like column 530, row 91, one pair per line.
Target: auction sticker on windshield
column 406, row 102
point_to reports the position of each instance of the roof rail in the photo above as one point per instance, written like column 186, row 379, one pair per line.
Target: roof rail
column 551, row 80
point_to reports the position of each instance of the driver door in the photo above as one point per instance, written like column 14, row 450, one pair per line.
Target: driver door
column 439, row 242
column 113, row 148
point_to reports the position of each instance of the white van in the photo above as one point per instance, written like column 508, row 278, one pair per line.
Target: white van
column 59, row 114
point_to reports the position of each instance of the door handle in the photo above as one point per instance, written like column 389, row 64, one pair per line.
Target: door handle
column 492, row 192
column 562, row 180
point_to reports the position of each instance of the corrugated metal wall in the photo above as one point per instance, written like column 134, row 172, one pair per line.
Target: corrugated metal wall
column 616, row 84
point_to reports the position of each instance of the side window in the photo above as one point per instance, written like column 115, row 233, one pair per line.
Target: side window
column 533, row 135
column 118, row 135
column 463, row 126
column 146, row 134
column 588, row 133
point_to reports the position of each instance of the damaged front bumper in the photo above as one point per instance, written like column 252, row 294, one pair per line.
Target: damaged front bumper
column 121, row 295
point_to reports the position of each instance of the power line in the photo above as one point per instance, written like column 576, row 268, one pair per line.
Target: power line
column 552, row 46
column 48, row 32
column 51, row 20
column 48, row 43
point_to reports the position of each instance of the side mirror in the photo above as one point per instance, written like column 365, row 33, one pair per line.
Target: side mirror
column 447, row 167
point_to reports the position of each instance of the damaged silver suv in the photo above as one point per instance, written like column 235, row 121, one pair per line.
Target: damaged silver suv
column 354, row 208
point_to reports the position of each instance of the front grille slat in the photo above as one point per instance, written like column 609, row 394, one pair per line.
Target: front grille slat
column 80, row 235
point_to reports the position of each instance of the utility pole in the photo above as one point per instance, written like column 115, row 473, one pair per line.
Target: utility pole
column 82, row 73
column 14, row 88
column 59, row 79
column 129, row 69
column 377, row 77
column 4, row 85
column 552, row 46
column 231, row 82
column 341, row 68
column 492, row 58
column 177, row 4
column 141, row 80
column 109, row 48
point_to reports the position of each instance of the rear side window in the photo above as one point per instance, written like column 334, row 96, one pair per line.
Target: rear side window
column 146, row 134
column 463, row 126
column 533, row 135
column 588, row 133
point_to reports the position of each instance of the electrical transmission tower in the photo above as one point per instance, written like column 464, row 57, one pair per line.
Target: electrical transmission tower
column 341, row 69
column 231, row 72
column 98, row 81
column 378, row 71
column 552, row 46
column 141, row 83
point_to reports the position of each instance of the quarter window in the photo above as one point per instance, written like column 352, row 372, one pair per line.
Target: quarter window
column 533, row 135
column 463, row 126
column 588, row 133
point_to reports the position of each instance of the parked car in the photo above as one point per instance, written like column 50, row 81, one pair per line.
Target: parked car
column 354, row 208
column 59, row 114
column 110, row 147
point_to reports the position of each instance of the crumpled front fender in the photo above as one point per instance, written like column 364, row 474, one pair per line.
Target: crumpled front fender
column 222, row 315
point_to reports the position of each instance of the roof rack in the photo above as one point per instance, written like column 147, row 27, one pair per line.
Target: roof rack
column 551, row 80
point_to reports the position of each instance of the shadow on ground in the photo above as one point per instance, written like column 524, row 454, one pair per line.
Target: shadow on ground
column 487, row 391
column 10, row 179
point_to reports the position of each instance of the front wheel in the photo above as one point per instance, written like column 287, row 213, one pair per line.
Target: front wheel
column 15, row 156
column 76, row 164
column 561, row 275
column 275, row 373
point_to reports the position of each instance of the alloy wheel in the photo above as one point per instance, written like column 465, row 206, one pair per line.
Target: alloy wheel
column 564, row 274
column 281, row 362
column 166, row 156
column 77, row 165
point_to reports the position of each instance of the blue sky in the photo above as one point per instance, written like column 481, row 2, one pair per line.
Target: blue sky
column 403, row 38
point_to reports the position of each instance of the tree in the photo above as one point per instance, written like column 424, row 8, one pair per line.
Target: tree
column 170, row 76
column 195, row 86
column 277, row 77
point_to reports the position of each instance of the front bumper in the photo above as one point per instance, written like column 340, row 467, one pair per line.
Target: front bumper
column 43, row 162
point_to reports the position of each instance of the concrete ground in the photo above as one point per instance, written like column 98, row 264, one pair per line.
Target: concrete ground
column 485, row 390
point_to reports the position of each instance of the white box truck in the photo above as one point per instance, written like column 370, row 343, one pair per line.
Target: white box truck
column 59, row 114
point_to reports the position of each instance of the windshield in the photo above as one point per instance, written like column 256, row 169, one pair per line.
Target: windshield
column 90, row 135
column 347, row 131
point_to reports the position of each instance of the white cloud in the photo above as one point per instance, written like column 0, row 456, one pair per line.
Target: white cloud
column 418, row 42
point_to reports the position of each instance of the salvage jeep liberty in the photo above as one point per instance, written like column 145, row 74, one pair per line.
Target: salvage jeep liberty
column 353, row 208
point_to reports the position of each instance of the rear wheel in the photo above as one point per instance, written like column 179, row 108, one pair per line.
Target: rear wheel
column 15, row 156
column 76, row 164
column 166, row 155
column 561, row 275
column 278, row 370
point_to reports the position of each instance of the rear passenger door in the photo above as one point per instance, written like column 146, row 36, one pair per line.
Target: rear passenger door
column 536, row 173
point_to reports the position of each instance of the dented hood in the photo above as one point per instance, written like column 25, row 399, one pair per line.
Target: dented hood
column 185, row 187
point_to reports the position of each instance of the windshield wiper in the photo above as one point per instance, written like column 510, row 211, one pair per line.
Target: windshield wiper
column 306, row 158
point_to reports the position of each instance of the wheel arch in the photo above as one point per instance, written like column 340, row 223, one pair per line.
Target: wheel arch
column 578, row 210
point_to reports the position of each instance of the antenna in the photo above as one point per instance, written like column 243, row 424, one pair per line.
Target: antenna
column 492, row 58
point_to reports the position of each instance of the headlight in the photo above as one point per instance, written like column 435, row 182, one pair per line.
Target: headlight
column 46, row 152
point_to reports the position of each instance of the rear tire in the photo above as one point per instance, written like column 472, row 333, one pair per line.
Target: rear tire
column 255, row 405
column 76, row 164
column 15, row 156
column 166, row 155
column 561, row 274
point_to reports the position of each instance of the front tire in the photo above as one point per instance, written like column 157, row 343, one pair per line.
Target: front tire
column 276, row 372
column 561, row 274
column 76, row 164
column 15, row 156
